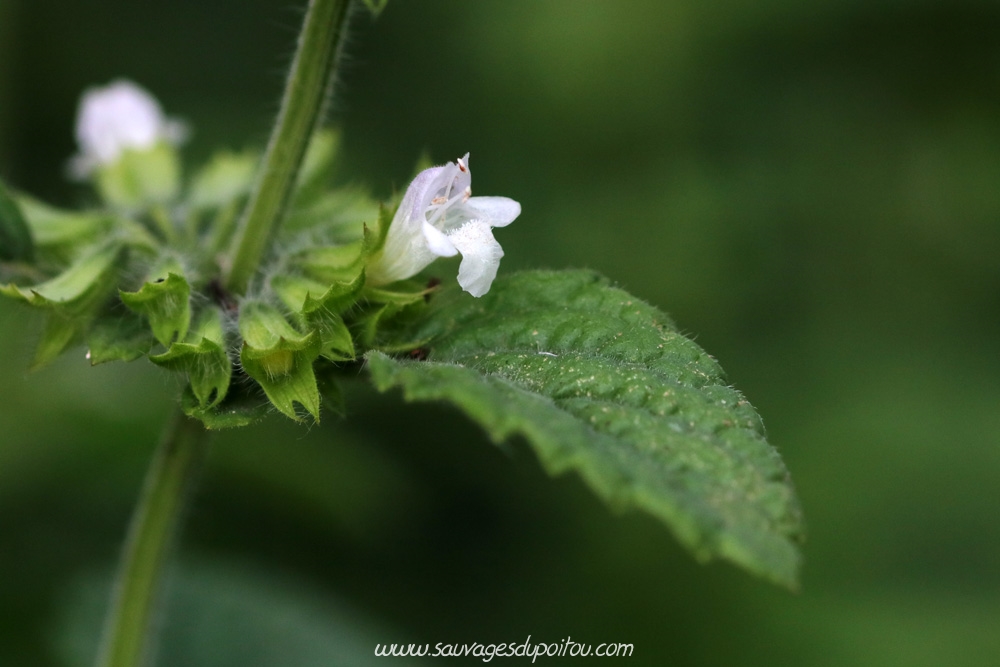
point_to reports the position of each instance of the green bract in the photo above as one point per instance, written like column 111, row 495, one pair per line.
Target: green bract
column 164, row 300
column 203, row 358
column 280, row 358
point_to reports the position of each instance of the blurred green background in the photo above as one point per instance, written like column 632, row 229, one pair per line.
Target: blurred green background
column 812, row 190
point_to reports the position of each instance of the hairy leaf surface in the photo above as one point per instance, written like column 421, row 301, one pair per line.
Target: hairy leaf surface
column 603, row 384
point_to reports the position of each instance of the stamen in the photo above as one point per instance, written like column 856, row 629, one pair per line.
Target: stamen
column 437, row 209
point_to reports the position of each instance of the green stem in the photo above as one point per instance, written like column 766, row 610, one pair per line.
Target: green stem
column 147, row 546
column 305, row 93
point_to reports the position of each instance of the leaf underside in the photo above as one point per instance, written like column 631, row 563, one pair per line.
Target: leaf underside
column 601, row 383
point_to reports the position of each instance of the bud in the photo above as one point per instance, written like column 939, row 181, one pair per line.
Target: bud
column 126, row 145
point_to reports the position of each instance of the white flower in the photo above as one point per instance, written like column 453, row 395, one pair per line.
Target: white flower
column 439, row 217
column 115, row 118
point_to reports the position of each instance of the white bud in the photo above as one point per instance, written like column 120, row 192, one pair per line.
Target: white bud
column 115, row 118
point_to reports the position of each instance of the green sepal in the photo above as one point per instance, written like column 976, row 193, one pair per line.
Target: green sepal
column 77, row 288
column 71, row 299
column 118, row 337
column 341, row 214
column 16, row 242
column 226, row 177
column 53, row 227
column 165, row 300
column 58, row 333
column 331, row 263
column 323, row 313
column 329, row 390
column 402, row 293
column 340, row 296
column 375, row 240
column 140, row 178
column 203, row 358
column 337, row 342
column 296, row 293
column 241, row 408
column 365, row 324
column 385, row 326
column 280, row 358
column 387, row 313
column 294, row 290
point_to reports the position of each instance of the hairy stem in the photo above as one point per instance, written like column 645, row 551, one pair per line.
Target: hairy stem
column 305, row 94
column 147, row 547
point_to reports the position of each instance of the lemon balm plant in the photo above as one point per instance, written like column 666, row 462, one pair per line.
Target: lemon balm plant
column 264, row 288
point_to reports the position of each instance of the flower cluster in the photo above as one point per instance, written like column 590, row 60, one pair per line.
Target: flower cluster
column 143, row 275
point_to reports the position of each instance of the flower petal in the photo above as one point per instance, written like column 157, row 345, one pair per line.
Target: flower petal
column 497, row 211
column 480, row 256
column 419, row 194
column 438, row 242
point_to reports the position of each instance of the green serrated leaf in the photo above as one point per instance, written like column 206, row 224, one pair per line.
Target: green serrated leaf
column 116, row 337
column 280, row 358
column 16, row 243
column 166, row 302
column 203, row 358
column 603, row 384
